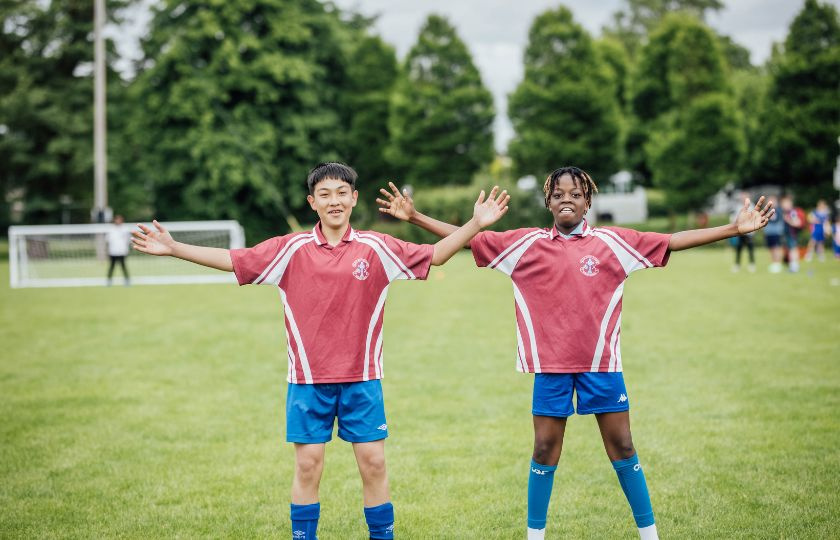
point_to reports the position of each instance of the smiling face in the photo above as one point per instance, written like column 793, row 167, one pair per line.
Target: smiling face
column 333, row 200
column 567, row 203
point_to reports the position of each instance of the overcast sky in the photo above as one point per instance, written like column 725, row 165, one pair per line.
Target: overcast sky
column 496, row 31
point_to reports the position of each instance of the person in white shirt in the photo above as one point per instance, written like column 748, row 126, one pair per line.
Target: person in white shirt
column 119, row 242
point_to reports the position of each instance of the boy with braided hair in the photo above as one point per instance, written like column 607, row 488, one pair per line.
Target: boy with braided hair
column 578, row 271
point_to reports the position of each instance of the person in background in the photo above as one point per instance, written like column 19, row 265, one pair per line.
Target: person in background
column 820, row 223
column 119, row 242
column 773, row 233
column 744, row 240
column 794, row 219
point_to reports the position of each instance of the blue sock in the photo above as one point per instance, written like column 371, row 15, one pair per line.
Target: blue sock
column 380, row 521
column 305, row 520
column 632, row 480
column 540, row 482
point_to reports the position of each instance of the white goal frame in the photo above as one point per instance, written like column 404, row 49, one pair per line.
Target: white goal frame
column 19, row 260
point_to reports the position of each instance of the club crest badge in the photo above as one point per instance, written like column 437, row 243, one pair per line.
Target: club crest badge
column 589, row 265
column 361, row 269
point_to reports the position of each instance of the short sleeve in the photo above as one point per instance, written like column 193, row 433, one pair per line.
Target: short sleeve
column 487, row 246
column 647, row 249
column 412, row 260
column 252, row 265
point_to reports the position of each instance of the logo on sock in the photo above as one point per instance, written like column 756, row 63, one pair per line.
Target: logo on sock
column 637, row 467
column 299, row 534
column 622, row 398
column 538, row 471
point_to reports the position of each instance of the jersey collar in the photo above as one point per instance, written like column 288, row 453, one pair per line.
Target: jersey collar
column 349, row 234
column 582, row 229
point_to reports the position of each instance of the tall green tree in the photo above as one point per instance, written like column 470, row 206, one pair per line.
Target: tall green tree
column 442, row 114
column 372, row 73
column 801, row 123
column 565, row 111
column 46, row 107
column 636, row 20
column 683, row 102
column 236, row 101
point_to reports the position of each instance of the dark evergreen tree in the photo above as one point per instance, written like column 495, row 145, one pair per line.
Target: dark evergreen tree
column 441, row 115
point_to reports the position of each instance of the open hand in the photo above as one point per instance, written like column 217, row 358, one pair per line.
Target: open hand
column 398, row 205
column 488, row 212
column 751, row 219
column 153, row 242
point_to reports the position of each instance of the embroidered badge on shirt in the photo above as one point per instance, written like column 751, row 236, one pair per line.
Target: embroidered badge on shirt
column 360, row 269
column 589, row 265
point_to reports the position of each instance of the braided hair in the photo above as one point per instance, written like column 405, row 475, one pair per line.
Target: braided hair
column 580, row 177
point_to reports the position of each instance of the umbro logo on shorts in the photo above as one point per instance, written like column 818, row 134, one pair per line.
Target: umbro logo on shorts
column 383, row 427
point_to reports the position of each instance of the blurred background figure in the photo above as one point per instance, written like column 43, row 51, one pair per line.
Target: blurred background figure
column 119, row 240
column 794, row 218
column 819, row 220
column 745, row 240
column 773, row 233
column 836, row 235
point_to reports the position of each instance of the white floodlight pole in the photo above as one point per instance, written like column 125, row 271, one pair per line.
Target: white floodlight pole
column 100, row 177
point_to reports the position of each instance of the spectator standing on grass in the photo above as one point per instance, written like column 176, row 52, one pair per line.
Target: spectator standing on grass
column 820, row 221
column 333, row 282
column 119, row 243
column 743, row 240
column 773, row 233
column 794, row 219
column 568, row 283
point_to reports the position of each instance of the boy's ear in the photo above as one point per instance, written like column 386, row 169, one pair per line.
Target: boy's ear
column 311, row 200
column 355, row 197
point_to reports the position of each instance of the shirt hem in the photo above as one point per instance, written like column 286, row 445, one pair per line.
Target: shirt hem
column 335, row 380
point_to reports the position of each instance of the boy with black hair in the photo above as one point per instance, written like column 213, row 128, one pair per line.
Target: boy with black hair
column 567, row 286
column 337, row 278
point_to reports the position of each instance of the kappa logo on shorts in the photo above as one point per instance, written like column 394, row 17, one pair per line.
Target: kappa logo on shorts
column 383, row 427
column 361, row 269
column 622, row 398
column 589, row 265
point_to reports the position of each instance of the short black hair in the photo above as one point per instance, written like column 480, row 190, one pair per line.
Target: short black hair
column 331, row 169
column 580, row 178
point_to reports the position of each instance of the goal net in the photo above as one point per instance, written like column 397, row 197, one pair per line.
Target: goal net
column 77, row 255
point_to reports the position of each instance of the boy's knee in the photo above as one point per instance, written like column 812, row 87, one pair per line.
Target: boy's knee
column 546, row 450
column 622, row 448
column 372, row 464
column 309, row 467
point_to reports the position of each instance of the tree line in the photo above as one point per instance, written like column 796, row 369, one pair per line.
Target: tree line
column 231, row 103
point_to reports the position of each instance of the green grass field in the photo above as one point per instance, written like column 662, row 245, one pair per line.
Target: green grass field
column 157, row 412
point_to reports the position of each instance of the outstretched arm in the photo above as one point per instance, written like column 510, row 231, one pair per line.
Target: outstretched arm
column 401, row 206
column 160, row 242
column 485, row 213
column 749, row 219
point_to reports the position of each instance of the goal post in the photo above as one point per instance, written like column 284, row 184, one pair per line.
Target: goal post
column 75, row 255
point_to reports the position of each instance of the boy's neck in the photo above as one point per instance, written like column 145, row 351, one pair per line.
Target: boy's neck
column 567, row 230
column 333, row 236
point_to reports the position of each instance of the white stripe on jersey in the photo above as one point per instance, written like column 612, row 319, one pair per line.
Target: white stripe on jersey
column 292, row 376
column 614, row 344
column 520, row 352
column 304, row 362
column 628, row 247
column 513, row 246
column 506, row 263
column 377, row 353
column 373, row 319
column 599, row 348
column 526, row 316
column 618, row 366
column 273, row 273
column 390, row 257
column 628, row 261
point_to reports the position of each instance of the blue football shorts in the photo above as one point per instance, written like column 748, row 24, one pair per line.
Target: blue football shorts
column 597, row 392
column 311, row 410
